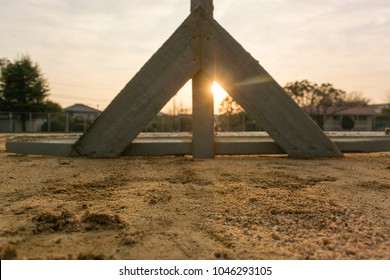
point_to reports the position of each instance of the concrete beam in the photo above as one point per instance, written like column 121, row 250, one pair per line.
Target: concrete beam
column 166, row 144
column 202, row 117
column 262, row 97
column 145, row 95
column 206, row 4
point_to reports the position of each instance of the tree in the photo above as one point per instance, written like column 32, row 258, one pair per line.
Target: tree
column 3, row 62
column 347, row 123
column 50, row 106
column 232, row 112
column 229, row 106
column 355, row 99
column 23, row 88
column 322, row 101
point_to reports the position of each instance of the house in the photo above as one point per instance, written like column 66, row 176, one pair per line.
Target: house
column 82, row 112
column 352, row 119
column 379, row 107
column 382, row 118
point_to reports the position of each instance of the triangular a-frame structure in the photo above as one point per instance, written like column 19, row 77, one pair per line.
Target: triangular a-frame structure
column 200, row 49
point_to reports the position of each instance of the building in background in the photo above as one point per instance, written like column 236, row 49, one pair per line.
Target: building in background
column 82, row 111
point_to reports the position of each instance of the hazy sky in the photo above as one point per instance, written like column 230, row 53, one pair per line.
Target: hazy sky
column 89, row 49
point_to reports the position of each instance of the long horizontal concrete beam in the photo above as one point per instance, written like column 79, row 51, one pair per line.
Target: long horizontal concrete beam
column 165, row 144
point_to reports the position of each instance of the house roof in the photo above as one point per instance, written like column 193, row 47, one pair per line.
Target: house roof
column 364, row 111
column 378, row 107
column 80, row 108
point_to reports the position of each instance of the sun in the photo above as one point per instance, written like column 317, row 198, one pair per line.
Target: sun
column 218, row 92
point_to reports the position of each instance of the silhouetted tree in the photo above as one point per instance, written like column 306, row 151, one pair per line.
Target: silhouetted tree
column 23, row 88
column 355, row 99
column 229, row 106
column 233, row 114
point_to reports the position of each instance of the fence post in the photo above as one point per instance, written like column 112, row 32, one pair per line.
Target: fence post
column 85, row 123
column 48, row 122
column 11, row 125
column 227, row 122
column 243, row 122
column 66, row 122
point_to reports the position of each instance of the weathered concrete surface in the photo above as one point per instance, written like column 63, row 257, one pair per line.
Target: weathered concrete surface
column 201, row 45
column 145, row 95
column 164, row 144
column 206, row 4
column 262, row 97
column 60, row 145
column 202, row 117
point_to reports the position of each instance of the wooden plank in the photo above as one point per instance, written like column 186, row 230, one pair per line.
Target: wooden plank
column 145, row 95
column 262, row 97
column 202, row 117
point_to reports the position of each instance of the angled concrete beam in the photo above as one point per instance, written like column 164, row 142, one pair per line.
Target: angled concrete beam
column 145, row 95
column 262, row 97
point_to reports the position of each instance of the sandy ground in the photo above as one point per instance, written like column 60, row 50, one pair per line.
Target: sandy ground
column 180, row 208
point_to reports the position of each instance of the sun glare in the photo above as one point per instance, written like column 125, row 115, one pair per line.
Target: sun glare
column 219, row 93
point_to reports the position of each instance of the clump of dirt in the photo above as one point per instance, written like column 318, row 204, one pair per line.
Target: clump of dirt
column 289, row 181
column 157, row 196
column 95, row 221
column 374, row 185
column 67, row 222
column 91, row 256
column 8, row 253
column 103, row 183
column 221, row 256
column 131, row 239
column 188, row 176
column 52, row 222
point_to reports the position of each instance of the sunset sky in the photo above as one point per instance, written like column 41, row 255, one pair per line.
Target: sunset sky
column 88, row 50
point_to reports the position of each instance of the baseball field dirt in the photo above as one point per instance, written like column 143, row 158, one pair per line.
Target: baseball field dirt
column 230, row 207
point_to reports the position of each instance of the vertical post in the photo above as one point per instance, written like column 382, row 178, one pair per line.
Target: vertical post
column 66, row 122
column 202, row 103
column 48, row 122
column 206, row 4
column 202, row 117
column 85, row 122
column 243, row 122
column 11, row 125
column 30, row 128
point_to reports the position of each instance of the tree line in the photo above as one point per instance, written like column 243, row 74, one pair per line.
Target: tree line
column 320, row 101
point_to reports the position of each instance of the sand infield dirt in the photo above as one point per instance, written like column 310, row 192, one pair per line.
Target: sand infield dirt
column 234, row 207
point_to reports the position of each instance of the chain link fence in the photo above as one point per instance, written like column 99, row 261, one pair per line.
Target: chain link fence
column 13, row 122
column 45, row 122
